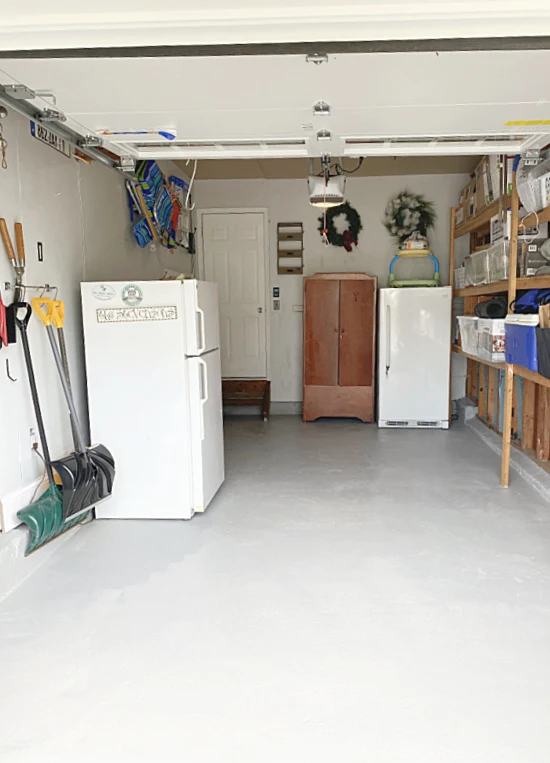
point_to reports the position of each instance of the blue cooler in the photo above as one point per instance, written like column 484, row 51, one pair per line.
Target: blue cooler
column 521, row 341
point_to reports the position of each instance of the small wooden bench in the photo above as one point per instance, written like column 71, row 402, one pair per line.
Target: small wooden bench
column 248, row 392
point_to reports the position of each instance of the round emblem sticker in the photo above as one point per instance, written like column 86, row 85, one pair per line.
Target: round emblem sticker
column 131, row 295
column 103, row 292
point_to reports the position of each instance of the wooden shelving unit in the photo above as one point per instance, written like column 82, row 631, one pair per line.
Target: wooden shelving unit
column 536, row 388
column 460, row 351
column 480, row 220
column 501, row 287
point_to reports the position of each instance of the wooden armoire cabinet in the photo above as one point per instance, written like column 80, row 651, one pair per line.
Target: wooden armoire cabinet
column 339, row 345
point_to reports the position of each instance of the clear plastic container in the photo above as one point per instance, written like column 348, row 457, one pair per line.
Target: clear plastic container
column 499, row 261
column 460, row 278
column 477, row 268
column 468, row 333
column 529, row 185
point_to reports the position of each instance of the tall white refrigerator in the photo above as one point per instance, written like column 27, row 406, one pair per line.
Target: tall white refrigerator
column 414, row 357
column 154, row 393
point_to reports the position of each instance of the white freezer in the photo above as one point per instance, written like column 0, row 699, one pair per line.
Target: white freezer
column 414, row 357
column 154, row 394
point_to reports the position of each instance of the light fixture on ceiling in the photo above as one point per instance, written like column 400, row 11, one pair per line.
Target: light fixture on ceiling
column 321, row 109
column 324, row 135
column 317, row 58
column 326, row 190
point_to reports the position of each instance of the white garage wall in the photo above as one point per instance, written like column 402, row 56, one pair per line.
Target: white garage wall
column 80, row 215
column 287, row 201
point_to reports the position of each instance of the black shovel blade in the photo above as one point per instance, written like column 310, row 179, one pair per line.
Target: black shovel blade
column 77, row 480
column 105, row 465
column 87, row 478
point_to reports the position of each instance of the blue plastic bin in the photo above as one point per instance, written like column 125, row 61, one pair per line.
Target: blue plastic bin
column 521, row 345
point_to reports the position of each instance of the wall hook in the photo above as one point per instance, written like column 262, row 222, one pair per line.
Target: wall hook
column 10, row 377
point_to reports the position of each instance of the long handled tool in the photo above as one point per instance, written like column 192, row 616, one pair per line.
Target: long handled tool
column 44, row 517
column 87, row 475
column 17, row 261
column 18, row 264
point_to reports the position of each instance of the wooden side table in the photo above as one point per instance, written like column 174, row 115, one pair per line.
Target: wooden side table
column 248, row 392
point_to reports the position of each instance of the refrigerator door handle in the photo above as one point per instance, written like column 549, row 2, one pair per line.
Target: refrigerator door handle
column 388, row 339
column 202, row 331
column 203, row 390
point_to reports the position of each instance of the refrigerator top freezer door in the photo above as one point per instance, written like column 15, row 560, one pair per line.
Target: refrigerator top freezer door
column 202, row 323
column 414, row 355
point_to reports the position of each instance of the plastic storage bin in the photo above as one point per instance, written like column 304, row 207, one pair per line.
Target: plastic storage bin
column 477, row 268
column 468, row 333
column 491, row 339
column 460, row 278
column 543, row 348
column 499, row 261
column 521, row 341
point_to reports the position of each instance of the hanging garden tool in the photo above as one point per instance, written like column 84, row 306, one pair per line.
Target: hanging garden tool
column 17, row 261
column 44, row 517
column 87, row 475
column 18, row 264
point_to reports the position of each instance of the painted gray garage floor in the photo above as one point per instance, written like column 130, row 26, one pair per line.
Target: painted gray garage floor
column 351, row 596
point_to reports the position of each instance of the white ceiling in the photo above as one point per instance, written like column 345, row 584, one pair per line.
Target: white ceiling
column 34, row 24
column 269, row 99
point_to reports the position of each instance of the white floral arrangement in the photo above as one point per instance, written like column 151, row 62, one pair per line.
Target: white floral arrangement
column 408, row 213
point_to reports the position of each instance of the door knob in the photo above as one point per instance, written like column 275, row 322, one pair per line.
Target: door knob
column 260, row 309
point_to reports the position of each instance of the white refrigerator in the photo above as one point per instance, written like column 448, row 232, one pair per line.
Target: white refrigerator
column 153, row 372
column 414, row 357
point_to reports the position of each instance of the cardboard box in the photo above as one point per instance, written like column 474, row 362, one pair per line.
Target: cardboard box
column 480, row 200
column 491, row 339
column 492, row 176
column 459, row 215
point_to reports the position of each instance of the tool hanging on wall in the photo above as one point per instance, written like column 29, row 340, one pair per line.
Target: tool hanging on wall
column 43, row 517
column 87, row 474
column 3, row 141
column 18, row 264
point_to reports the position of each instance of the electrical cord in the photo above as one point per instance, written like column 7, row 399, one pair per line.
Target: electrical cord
column 41, row 457
column 186, row 205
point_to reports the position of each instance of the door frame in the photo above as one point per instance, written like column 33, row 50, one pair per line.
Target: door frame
column 267, row 260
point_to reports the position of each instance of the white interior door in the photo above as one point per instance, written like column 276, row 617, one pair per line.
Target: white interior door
column 206, row 427
column 234, row 258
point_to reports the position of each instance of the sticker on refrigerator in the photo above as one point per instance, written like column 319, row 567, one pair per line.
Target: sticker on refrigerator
column 103, row 292
column 136, row 314
column 132, row 295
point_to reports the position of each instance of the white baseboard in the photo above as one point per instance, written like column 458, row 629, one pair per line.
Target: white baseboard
column 531, row 472
column 17, row 499
column 15, row 567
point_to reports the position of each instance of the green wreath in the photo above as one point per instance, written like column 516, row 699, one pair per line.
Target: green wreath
column 349, row 236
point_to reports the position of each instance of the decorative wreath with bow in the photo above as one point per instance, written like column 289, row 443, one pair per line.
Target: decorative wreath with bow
column 349, row 236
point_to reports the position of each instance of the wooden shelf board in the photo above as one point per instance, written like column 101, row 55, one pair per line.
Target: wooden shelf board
column 533, row 376
column 533, row 282
column 479, row 291
column 480, row 219
column 460, row 351
column 542, row 217
column 485, row 215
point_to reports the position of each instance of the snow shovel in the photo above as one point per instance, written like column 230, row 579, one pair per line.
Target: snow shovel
column 44, row 517
column 87, row 475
